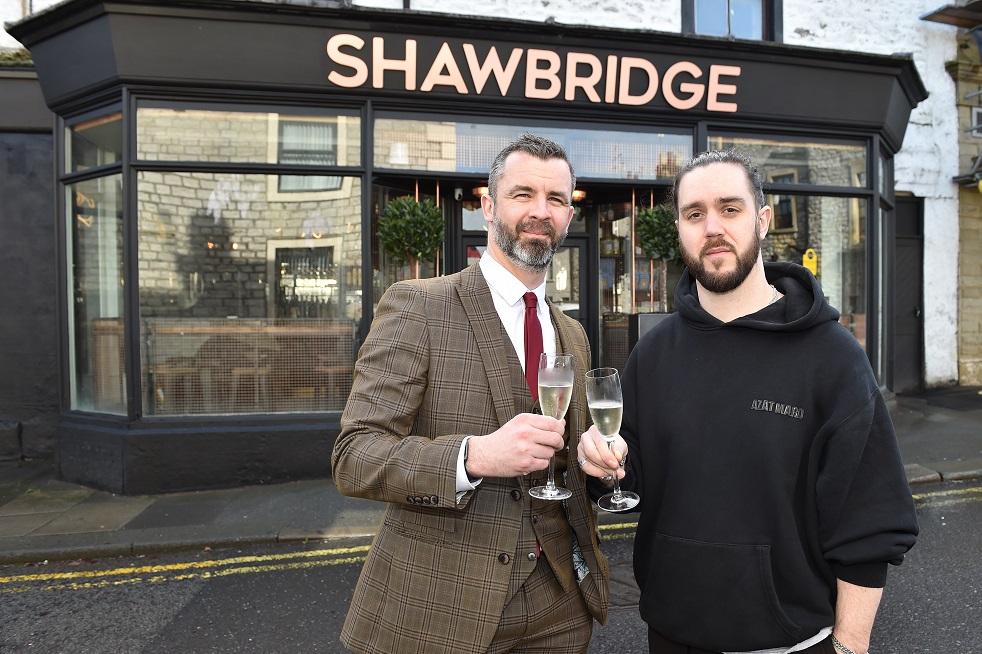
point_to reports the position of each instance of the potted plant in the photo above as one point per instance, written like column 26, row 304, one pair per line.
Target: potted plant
column 410, row 230
column 659, row 240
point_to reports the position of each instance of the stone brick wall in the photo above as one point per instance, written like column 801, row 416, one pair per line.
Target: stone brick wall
column 966, row 69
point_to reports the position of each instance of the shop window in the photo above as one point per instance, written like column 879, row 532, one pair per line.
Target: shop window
column 95, row 276
column 170, row 131
column 94, row 141
column 465, row 147
column 249, row 300
column 742, row 19
column 830, row 163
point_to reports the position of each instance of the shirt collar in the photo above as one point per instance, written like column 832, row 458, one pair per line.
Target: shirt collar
column 506, row 284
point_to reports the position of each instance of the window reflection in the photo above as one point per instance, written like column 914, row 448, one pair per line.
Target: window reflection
column 94, row 142
column 249, row 299
column 95, row 266
column 182, row 133
column 471, row 147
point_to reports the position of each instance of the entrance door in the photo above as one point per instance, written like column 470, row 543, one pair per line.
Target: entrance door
column 908, row 348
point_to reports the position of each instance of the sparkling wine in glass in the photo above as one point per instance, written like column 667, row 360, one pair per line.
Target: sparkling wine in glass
column 603, row 396
column 555, row 390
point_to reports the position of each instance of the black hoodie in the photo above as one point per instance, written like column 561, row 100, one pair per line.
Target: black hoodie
column 768, row 467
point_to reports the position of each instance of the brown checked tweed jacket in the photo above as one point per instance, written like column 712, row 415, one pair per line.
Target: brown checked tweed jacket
column 437, row 365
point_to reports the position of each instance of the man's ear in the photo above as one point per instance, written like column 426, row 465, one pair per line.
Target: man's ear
column 764, row 220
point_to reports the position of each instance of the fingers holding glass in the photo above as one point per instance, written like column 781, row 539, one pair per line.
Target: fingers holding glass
column 604, row 398
column 555, row 390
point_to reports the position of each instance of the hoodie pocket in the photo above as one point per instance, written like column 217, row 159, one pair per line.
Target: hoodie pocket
column 715, row 596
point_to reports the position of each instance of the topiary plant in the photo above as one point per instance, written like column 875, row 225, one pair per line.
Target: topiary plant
column 658, row 237
column 410, row 230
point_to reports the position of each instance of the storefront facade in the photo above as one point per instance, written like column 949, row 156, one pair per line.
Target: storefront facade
column 221, row 172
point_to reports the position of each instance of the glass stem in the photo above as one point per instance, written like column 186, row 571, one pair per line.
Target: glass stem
column 551, row 479
column 613, row 474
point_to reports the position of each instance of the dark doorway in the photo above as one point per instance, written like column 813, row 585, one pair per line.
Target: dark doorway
column 908, row 341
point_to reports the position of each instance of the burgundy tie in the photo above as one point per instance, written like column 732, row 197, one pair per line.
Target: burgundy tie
column 533, row 344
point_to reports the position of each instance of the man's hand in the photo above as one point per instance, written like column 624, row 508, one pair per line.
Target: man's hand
column 524, row 444
column 600, row 458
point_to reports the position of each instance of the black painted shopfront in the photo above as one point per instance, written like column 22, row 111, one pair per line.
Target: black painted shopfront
column 221, row 168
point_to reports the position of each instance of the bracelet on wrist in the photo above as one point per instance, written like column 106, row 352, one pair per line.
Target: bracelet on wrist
column 839, row 646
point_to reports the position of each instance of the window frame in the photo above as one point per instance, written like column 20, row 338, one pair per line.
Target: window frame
column 772, row 13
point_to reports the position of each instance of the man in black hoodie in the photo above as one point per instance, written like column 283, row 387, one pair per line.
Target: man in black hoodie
column 773, row 493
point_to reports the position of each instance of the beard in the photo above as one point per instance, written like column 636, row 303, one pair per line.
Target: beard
column 712, row 279
column 533, row 254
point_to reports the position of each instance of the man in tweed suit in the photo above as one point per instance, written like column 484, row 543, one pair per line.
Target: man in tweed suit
column 441, row 425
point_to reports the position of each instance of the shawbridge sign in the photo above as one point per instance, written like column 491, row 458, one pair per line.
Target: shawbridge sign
column 426, row 65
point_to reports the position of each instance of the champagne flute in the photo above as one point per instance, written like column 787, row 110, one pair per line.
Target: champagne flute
column 603, row 396
column 555, row 390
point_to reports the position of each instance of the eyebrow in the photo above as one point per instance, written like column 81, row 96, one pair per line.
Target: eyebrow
column 518, row 188
column 732, row 199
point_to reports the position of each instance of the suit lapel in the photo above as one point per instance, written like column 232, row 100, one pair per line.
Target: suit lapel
column 475, row 296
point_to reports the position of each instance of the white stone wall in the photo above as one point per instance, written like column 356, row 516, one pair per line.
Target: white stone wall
column 929, row 159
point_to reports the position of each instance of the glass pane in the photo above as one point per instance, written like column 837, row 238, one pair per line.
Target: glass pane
column 563, row 281
column 830, row 238
column 389, row 268
column 471, row 147
column 710, row 17
column 171, row 133
column 746, row 21
column 792, row 162
column 249, row 297
column 94, row 142
column 95, row 271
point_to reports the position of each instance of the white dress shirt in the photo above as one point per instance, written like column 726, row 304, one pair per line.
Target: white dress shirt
column 508, row 293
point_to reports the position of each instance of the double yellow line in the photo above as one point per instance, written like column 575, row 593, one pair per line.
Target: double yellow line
column 189, row 570
column 213, row 569
column 949, row 497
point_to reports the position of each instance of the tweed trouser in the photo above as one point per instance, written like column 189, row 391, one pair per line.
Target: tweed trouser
column 543, row 619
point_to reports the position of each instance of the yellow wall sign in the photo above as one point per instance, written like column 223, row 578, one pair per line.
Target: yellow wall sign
column 810, row 260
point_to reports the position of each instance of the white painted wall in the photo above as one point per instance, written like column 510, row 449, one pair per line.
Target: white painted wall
column 924, row 166
column 928, row 159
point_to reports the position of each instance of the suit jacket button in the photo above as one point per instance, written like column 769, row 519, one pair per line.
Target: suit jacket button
column 504, row 559
column 409, row 498
column 434, row 500
column 516, row 495
column 532, row 556
column 425, row 499
column 537, row 410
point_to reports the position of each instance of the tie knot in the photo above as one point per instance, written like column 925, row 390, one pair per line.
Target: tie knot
column 531, row 301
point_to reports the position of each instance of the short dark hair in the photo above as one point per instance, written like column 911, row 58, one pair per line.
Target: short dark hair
column 536, row 146
column 722, row 156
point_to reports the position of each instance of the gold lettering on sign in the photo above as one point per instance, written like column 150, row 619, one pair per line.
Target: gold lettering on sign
column 444, row 61
column 548, row 74
column 534, row 74
column 492, row 64
column 380, row 64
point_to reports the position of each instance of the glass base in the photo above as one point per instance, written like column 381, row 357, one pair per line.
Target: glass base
column 548, row 492
column 615, row 502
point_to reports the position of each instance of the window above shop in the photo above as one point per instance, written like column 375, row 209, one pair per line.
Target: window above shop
column 741, row 19
column 94, row 141
column 168, row 131
column 468, row 147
